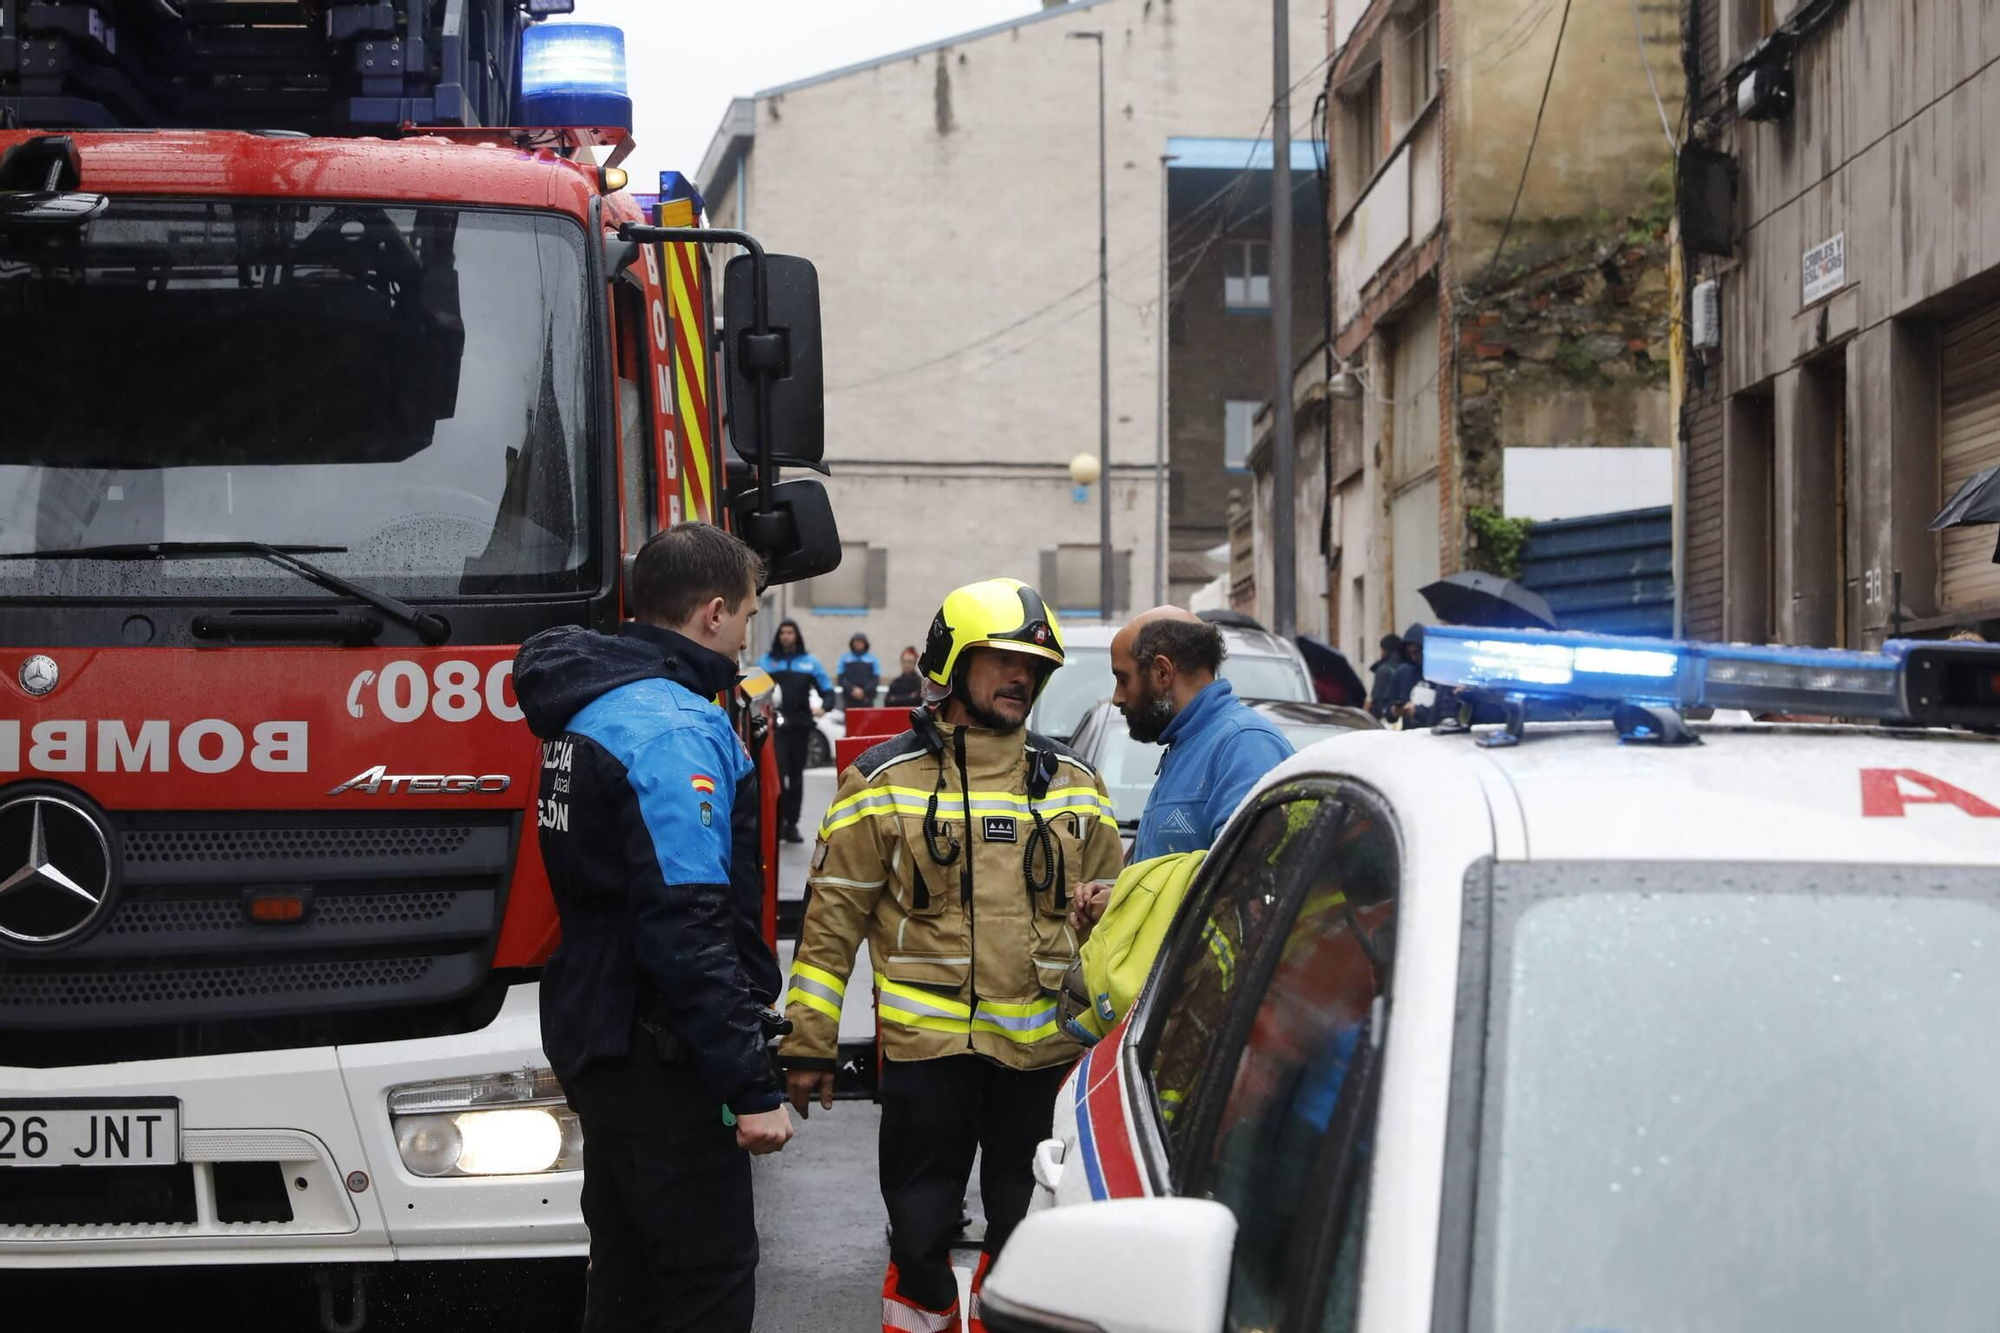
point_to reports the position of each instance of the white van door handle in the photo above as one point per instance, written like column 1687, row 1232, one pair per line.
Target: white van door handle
column 1049, row 1164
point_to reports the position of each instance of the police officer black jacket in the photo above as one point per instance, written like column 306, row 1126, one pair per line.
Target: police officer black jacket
column 641, row 774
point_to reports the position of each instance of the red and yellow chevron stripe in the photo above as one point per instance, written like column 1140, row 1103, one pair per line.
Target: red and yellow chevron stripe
column 686, row 266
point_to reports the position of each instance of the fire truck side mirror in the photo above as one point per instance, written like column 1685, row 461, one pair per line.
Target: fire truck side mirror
column 785, row 356
column 797, row 537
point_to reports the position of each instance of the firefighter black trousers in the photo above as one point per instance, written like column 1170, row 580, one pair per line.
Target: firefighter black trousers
column 794, row 742
column 666, row 1195
column 935, row 1113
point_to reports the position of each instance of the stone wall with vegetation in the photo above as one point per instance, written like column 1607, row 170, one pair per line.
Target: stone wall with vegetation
column 1569, row 349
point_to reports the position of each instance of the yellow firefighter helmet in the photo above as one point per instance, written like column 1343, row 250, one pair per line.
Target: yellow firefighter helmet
column 993, row 613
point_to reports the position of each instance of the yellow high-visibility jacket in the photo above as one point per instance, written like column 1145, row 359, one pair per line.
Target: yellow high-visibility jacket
column 967, row 957
column 1119, row 955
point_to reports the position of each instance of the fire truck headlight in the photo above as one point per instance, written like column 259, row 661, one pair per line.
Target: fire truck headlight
column 430, row 1144
column 509, row 1143
column 526, row 1142
column 492, row 1125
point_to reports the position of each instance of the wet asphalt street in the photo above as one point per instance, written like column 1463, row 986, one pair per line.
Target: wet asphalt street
column 819, row 1216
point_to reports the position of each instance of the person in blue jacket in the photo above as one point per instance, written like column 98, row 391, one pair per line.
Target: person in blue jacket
column 859, row 672
column 1164, row 665
column 800, row 677
column 655, row 1005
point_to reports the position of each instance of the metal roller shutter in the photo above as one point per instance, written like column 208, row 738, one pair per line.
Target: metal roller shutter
column 1968, row 441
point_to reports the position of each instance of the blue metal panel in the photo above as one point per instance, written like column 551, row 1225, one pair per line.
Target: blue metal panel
column 1612, row 573
column 1193, row 154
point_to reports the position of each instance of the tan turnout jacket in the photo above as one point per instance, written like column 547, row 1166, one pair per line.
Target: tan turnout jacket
column 956, row 974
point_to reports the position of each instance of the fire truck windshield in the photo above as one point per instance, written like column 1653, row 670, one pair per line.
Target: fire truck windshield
column 407, row 386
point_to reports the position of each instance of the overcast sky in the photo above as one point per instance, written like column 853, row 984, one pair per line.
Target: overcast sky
column 687, row 58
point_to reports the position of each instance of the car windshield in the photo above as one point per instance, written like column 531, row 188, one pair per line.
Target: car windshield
column 408, row 385
column 1085, row 677
column 1082, row 679
column 1265, row 677
column 1129, row 768
column 1735, row 1098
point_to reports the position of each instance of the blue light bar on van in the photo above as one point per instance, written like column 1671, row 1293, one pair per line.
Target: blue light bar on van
column 573, row 74
column 1580, row 669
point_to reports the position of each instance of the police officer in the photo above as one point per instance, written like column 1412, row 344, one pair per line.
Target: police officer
column 954, row 849
column 800, row 677
column 654, row 1005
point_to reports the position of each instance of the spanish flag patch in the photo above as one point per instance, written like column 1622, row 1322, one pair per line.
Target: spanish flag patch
column 701, row 782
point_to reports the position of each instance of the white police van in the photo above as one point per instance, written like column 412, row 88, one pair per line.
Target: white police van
column 1567, row 1026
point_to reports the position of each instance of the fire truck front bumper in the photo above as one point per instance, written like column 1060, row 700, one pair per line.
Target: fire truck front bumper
column 442, row 1148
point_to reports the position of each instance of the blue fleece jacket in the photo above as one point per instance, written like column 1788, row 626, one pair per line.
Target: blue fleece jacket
column 1217, row 749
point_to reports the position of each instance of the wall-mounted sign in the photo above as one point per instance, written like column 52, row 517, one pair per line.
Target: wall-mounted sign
column 1825, row 268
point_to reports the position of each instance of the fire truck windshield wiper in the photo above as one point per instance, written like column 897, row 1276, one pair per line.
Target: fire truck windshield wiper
column 429, row 628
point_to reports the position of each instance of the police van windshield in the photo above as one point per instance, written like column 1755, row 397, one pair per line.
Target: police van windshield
column 408, row 386
column 1740, row 1098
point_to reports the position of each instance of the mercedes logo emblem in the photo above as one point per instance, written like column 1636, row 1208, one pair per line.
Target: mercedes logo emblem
column 39, row 675
column 56, row 870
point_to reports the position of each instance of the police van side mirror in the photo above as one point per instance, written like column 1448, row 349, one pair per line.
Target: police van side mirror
column 776, row 380
column 1072, row 1268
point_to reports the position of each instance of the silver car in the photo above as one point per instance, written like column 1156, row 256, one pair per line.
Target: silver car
column 1260, row 665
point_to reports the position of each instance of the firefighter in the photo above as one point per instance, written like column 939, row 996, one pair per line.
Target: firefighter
column 653, row 1007
column 954, row 849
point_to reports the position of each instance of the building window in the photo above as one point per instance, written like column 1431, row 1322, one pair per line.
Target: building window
column 1070, row 579
column 859, row 585
column 1748, row 22
column 1239, row 421
column 1359, row 150
column 1419, row 75
column 1246, row 275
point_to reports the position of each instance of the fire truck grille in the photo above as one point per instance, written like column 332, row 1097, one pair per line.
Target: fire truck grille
column 298, row 843
column 392, row 912
column 153, row 917
column 224, row 991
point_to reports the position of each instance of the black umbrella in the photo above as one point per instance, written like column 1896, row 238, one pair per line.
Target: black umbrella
column 1331, row 673
column 1479, row 598
column 1977, row 501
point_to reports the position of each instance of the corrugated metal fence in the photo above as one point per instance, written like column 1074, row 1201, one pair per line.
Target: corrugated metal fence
column 1613, row 573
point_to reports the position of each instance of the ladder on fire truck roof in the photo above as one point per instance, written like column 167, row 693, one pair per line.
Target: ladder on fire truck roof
column 321, row 67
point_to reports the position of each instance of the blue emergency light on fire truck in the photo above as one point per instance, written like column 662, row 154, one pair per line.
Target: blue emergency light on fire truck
column 1643, row 685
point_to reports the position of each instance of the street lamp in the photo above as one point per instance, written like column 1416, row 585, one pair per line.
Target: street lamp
column 1103, row 345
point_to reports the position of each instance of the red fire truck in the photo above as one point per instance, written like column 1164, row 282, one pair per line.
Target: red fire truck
column 320, row 395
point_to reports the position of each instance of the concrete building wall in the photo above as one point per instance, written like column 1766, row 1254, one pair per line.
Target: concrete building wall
column 1830, row 408
column 1308, row 498
column 950, row 199
column 1602, row 154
